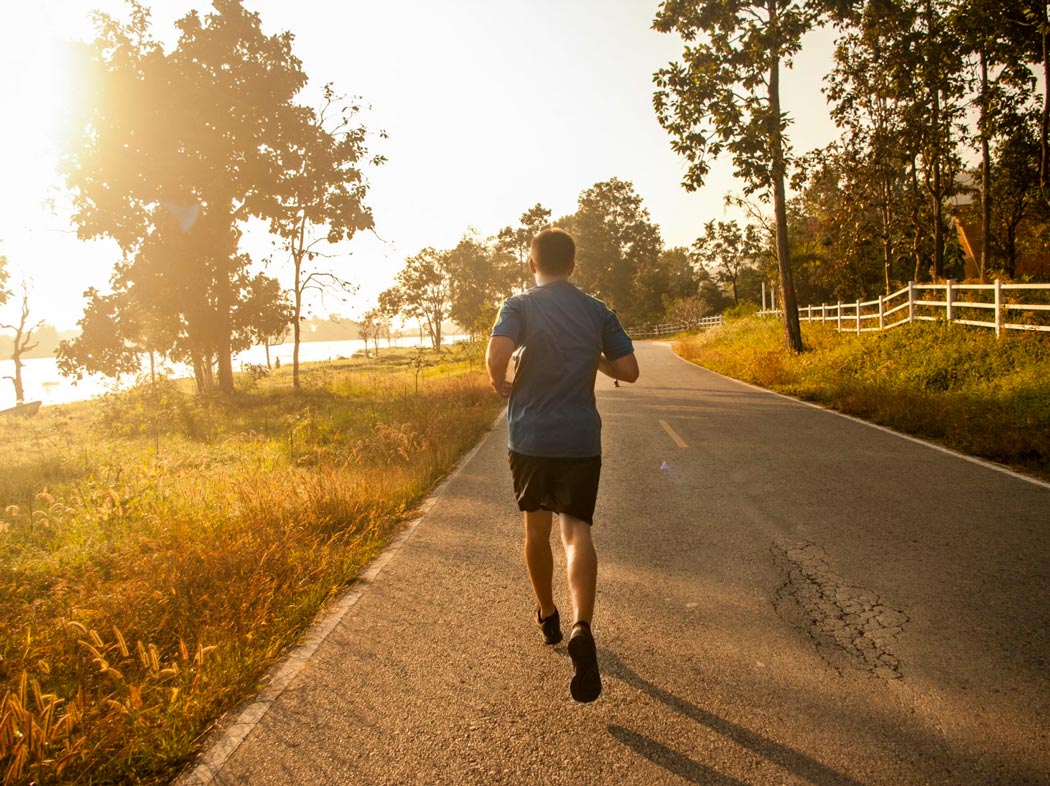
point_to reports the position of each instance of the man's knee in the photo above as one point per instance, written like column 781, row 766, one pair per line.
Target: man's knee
column 574, row 531
column 538, row 525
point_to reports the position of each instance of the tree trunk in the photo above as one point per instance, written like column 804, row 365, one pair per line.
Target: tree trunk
column 787, row 289
column 297, row 260
column 1044, row 128
column 935, row 190
column 986, row 173
column 20, row 395
column 198, row 372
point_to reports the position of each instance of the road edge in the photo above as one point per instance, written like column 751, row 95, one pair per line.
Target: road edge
column 885, row 429
column 210, row 761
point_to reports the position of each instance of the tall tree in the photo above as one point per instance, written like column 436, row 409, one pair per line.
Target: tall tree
column 319, row 200
column 726, row 96
column 1003, row 83
column 615, row 240
column 197, row 133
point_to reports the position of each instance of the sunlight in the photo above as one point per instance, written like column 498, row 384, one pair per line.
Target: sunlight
column 39, row 92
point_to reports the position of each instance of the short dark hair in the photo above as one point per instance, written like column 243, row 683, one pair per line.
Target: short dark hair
column 554, row 251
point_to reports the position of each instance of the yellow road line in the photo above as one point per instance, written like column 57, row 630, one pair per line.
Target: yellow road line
column 673, row 435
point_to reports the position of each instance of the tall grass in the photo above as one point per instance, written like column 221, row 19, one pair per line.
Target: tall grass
column 158, row 551
column 958, row 385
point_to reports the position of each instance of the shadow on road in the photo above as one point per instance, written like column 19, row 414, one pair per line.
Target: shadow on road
column 795, row 762
column 672, row 761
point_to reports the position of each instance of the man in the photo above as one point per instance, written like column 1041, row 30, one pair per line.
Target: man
column 564, row 337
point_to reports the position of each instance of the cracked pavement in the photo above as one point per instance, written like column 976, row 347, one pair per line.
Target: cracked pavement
column 791, row 598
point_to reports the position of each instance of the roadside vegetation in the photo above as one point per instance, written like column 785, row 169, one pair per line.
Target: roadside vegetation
column 159, row 550
column 958, row 386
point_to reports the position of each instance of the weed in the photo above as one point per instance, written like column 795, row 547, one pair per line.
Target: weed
column 159, row 551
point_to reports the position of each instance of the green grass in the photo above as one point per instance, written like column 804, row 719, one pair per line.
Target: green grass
column 959, row 386
column 159, row 551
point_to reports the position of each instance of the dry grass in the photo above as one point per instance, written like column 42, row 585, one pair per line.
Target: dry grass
column 159, row 552
column 957, row 385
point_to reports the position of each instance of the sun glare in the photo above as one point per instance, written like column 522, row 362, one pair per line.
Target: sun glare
column 38, row 92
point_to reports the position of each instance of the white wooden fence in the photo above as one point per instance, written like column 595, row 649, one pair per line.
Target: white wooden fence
column 1013, row 307
column 655, row 331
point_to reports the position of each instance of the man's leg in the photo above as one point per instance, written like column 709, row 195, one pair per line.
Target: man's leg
column 581, row 565
column 538, row 559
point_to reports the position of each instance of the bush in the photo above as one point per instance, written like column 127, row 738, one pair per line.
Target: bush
column 740, row 311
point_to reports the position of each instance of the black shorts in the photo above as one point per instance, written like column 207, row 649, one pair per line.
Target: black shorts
column 561, row 485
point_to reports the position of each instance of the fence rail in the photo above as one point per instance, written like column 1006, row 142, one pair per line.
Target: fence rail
column 915, row 305
column 669, row 329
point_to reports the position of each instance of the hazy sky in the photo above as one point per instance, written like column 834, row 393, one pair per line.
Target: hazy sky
column 491, row 107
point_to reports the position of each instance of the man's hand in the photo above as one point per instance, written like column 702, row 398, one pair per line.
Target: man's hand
column 497, row 358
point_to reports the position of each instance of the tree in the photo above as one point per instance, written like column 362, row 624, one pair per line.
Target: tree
column 1015, row 188
column 320, row 196
column 197, row 135
column 730, row 251
column 109, row 342
column 515, row 242
column 370, row 327
column 423, row 291
column 726, row 96
column 615, row 241
column 481, row 278
column 266, row 313
column 22, row 340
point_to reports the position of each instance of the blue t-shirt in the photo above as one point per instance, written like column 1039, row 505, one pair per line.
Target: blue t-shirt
column 561, row 333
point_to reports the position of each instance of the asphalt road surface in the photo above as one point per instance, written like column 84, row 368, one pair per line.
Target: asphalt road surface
column 785, row 596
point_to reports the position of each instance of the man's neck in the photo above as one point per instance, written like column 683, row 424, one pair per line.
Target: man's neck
column 542, row 279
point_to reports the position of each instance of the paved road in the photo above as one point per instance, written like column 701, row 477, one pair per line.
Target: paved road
column 790, row 598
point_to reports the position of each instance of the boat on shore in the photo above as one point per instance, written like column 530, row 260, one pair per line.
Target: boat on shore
column 28, row 409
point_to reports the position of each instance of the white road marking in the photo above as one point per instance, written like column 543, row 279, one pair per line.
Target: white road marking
column 673, row 435
column 908, row 437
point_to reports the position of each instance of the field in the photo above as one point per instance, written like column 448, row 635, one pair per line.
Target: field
column 956, row 385
column 159, row 551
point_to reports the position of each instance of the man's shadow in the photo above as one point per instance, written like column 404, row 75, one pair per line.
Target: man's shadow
column 784, row 756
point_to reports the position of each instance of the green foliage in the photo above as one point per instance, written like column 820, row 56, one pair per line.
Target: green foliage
column 617, row 249
column 725, row 97
column 180, row 147
column 160, row 550
column 961, row 386
column 740, row 311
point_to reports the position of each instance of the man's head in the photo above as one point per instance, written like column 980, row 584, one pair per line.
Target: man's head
column 553, row 253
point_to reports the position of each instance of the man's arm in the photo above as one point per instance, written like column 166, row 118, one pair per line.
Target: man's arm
column 497, row 358
column 624, row 369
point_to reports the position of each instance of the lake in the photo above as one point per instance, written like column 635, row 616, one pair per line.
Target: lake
column 43, row 382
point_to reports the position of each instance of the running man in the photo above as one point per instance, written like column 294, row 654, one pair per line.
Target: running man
column 564, row 337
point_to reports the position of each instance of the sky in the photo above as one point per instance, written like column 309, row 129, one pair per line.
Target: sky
column 490, row 106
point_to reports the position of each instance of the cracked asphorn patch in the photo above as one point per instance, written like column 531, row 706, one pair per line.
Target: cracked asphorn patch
column 851, row 627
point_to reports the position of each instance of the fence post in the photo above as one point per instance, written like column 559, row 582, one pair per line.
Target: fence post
column 882, row 313
column 998, row 308
column 823, row 313
column 763, row 295
column 858, row 316
column 911, row 302
column 948, row 299
column 838, row 316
